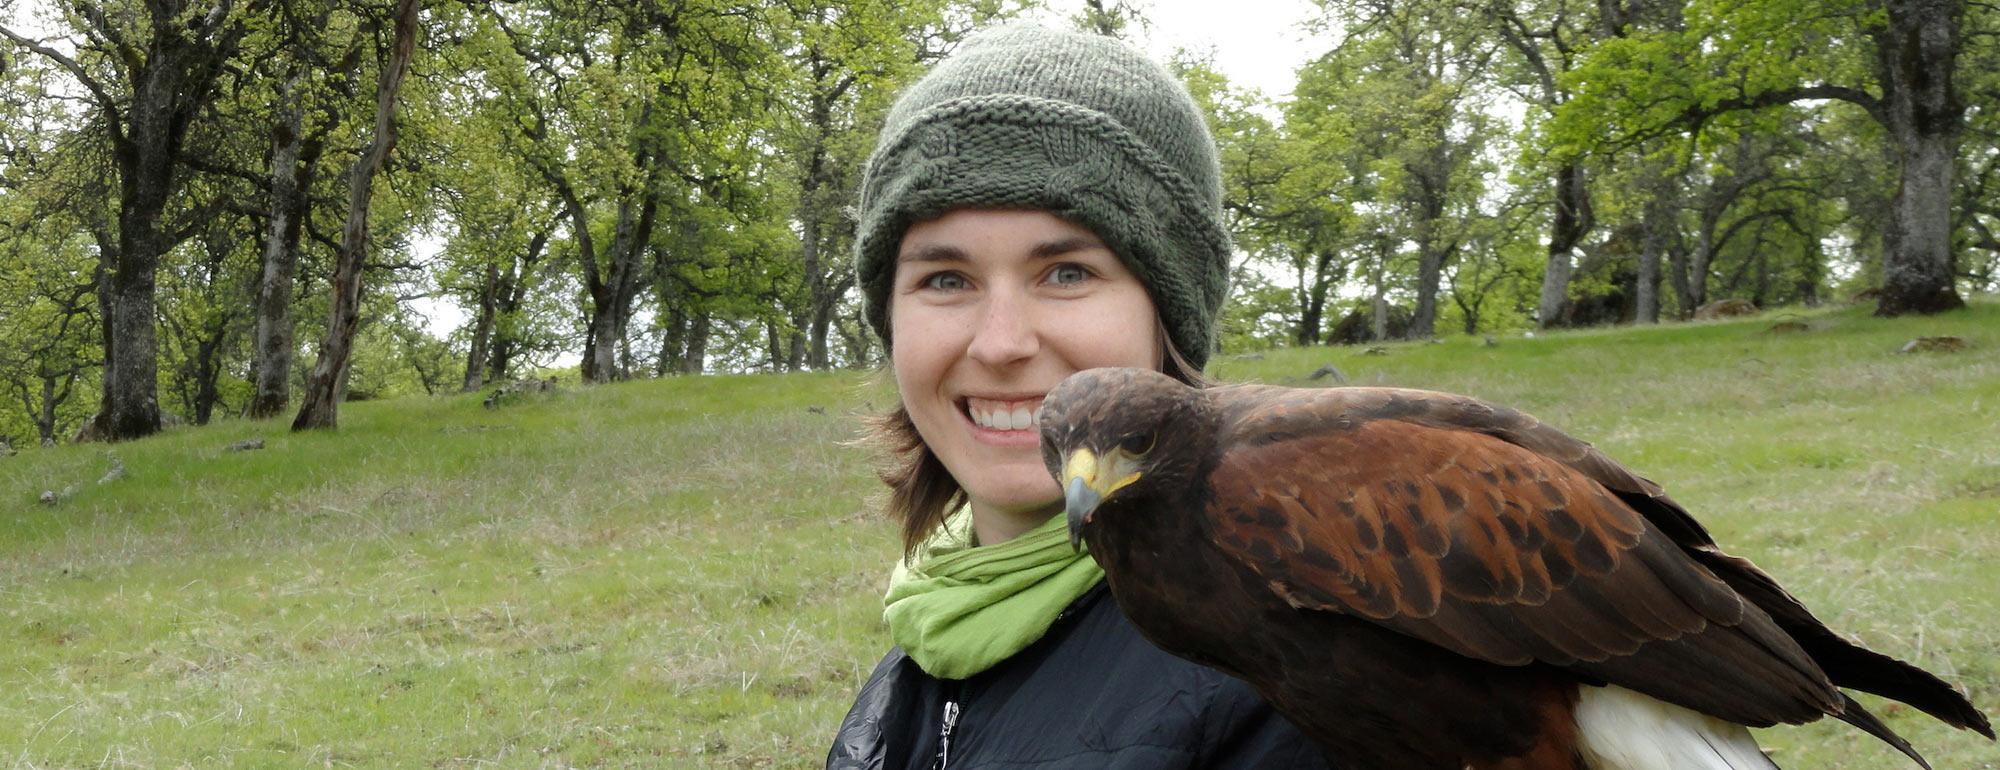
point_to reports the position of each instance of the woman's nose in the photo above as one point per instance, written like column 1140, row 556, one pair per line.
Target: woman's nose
column 1006, row 331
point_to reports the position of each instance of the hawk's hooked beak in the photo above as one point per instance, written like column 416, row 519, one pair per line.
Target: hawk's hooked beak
column 1086, row 483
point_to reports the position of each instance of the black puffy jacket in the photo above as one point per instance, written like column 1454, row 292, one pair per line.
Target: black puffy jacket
column 1091, row 693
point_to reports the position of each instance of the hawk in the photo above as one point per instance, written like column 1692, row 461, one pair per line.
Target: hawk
column 1425, row 581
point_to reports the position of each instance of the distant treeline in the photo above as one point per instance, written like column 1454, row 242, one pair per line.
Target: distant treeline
column 242, row 207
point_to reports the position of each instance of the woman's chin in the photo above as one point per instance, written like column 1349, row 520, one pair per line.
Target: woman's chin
column 1024, row 493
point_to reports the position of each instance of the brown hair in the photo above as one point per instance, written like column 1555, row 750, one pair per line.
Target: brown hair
column 921, row 491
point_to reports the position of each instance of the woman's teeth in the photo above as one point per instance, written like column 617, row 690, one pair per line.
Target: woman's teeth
column 999, row 416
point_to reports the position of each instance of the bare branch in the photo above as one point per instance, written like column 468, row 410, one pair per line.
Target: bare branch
column 209, row 167
column 106, row 33
column 1775, row 97
column 113, row 118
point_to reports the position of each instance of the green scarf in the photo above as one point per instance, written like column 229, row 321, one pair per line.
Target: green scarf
column 960, row 609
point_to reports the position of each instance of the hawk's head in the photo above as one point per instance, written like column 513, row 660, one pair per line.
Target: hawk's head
column 1128, row 433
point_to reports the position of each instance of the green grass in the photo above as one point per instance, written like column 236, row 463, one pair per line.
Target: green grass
column 686, row 573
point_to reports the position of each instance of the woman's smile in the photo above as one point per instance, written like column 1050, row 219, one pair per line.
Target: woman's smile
column 1004, row 416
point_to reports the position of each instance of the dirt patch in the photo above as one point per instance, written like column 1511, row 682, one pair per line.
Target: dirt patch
column 1934, row 345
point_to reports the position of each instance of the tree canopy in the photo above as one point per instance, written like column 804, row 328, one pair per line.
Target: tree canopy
column 198, row 202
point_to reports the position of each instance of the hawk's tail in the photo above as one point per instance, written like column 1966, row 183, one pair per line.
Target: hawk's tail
column 1848, row 664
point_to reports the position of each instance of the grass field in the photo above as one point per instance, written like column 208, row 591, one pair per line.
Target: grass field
column 687, row 572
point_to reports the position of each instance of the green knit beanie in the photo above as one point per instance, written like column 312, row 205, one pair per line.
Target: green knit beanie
column 1078, row 125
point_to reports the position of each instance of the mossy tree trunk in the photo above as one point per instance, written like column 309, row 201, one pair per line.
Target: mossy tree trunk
column 320, row 407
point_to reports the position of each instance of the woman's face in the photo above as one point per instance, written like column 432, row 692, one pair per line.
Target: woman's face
column 990, row 309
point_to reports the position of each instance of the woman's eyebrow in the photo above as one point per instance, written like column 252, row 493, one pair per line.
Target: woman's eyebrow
column 933, row 252
column 1061, row 246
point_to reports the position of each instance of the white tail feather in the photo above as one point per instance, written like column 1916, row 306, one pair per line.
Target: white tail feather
column 1619, row 729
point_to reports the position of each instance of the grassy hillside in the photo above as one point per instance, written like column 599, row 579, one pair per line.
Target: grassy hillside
column 686, row 573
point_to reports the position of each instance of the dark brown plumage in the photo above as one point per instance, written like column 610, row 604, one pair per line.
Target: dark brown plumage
column 1423, row 580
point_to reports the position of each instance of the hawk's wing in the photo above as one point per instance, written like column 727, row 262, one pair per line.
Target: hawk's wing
column 1416, row 510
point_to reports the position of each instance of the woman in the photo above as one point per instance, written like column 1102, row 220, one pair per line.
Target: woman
column 1040, row 203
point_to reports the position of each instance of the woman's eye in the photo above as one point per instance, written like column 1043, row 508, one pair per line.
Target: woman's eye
column 1138, row 444
column 944, row 281
column 1068, row 274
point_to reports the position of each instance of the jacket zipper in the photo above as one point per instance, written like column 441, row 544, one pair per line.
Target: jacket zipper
column 944, row 733
column 949, row 722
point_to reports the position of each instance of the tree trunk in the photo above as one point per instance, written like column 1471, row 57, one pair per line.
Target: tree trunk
column 1378, row 327
column 611, row 305
column 1430, row 272
column 1657, row 219
column 809, row 255
column 206, row 371
column 482, row 330
column 292, row 160
column 600, row 350
column 624, row 353
column 1311, row 318
column 503, row 354
column 1312, row 292
column 855, row 339
column 325, row 384
column 45, row 415
column 1646, row 295
column 673, row 339
column 1433, row 177
column 696, row 358
column 145, row 156
column 1379, row 303
column 1916, row 56
column 503, row 359
column 1760, row 268
column 1677, row 274
column 131, row 391
column 774, row 349
column 826, row 281
column 673, row 321
column 821, row 356
column 1810, row 274
column 1699, row 261
column 600, row 363
column 1917, row 258
column 107, row 261
column 1571, row 222
column 511, row 292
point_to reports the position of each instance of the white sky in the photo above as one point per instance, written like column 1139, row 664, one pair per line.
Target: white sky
column 1256, row 43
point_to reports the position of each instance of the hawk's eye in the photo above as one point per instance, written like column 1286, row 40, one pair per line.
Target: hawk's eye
column 1137, row 444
